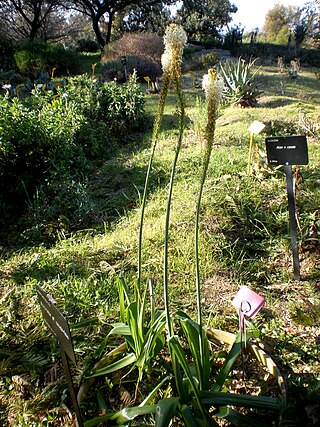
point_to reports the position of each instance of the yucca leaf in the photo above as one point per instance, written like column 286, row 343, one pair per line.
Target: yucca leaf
column 166, row 408
column 154, row 391
column 133, row 322
column 188, row 417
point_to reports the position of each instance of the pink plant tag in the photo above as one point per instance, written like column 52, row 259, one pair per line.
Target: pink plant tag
column 248, row 302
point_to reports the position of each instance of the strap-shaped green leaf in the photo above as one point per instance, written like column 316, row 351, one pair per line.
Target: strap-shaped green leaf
column 166, row 408
column 123, row 416
column 119, row 364
column 216, row 398
column 229, row 363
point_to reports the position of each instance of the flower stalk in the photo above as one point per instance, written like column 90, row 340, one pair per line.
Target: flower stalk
column 213, row 87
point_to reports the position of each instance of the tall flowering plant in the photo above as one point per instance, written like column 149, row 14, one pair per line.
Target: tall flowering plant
column 213, row 88
column 175, row 39
column 195, row 401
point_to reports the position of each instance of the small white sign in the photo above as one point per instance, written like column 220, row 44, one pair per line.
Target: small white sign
column 256, row 127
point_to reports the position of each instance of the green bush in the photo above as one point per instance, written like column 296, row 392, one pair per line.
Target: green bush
column 310, row 57
column 6, row 54
column 87, row 45
column 48, row 139
column 146, row 45
column 31, row 56
column 120, row 107
column 143, row 52
column 209, row 60
column 34, row 142
column 114, row 70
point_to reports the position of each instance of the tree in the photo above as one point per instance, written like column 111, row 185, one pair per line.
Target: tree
column 203, row 18
column 103, row 12
column 30, row 19
column 151, row 18
column 276, row 24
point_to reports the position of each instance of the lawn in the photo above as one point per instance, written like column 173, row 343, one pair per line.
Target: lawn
column 244, row 240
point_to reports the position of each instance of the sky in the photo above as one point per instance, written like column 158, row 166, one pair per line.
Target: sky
column 251, row 13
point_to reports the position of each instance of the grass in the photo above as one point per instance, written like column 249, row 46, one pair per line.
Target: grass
column 244, row 240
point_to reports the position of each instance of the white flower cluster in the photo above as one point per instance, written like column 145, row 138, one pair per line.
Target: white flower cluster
column 175, row 39
column 213, row 86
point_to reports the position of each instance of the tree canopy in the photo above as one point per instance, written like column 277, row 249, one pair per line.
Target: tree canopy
column 203, row 18
column 30, row 19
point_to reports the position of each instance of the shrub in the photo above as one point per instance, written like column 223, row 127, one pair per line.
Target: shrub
column 46, row 142
column 143, row 52
column 120, row 107
column 114, row 70
column 87, row 45
column 31, row 56
column 209, row 60
column 145, row 45
column 6, row 54
column 271, row 51
column 33, row 143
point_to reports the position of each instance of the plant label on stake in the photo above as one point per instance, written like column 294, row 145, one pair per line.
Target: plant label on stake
column 58, row 326
column 287, row 151
column 255, row 128
column 124, row 63
column 248, row 303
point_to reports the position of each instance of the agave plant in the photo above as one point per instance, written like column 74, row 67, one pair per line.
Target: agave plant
column 239, row 79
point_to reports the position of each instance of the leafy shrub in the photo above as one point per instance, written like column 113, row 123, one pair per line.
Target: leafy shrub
column 209, row 60
column 114, row 70
column 87, row 45
column 6, row 53
column 271, row 51
column 33, row 142
column 145, row 45
column 31, row 56
column 47, row 140
column 143, row 52
column 120, row 107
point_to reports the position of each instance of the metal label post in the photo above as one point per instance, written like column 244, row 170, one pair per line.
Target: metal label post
column 59, row 328
column 292, row 221
column 287, row 151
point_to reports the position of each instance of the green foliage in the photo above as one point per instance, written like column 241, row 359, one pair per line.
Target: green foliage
column 31, row 56
column 6, row 54
column 146, row 45
column 239, row 79
column 48, row 139
column 87, row 45
column 119, row 107
column 143, row 52
column 209, row 60
column 114, row 69
column 203, row 20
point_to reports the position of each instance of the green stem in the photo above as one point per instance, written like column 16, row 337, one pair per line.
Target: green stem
column 155, row 134
column 210, row 129
column 167, row 222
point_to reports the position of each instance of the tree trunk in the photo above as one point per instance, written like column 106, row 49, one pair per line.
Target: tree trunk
column 99, row 37
column 109, row 28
